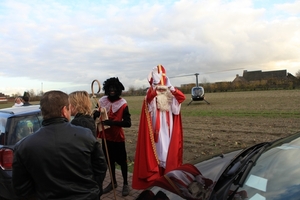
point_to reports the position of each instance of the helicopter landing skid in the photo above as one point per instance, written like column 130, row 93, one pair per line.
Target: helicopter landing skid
column 202, row 100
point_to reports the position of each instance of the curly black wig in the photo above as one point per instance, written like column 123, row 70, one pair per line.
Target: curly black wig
column 115, row 82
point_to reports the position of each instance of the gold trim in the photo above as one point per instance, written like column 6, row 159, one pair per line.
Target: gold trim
column 150, row 130
column 162, row 75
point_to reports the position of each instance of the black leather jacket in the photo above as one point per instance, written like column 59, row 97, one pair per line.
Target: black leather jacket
column 59, row 161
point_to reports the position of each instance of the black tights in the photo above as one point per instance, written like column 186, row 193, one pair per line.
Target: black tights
column 124, row 170
column 117, row 154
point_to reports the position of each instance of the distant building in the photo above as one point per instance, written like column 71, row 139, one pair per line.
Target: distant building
column 249, row 76
column 239, row 79
column 3, row 99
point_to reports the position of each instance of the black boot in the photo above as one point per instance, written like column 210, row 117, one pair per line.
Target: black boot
column 125, row 190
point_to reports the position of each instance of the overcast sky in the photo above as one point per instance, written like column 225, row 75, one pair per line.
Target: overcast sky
column 65, row 45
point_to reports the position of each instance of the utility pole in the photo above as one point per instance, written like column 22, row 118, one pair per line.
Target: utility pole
column 42, row 88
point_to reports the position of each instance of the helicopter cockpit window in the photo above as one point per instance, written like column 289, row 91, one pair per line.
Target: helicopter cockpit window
column 197, row 91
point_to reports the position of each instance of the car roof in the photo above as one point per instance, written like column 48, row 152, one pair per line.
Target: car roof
column 20, row 110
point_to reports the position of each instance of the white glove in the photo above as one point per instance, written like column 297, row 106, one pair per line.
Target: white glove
column 155, row 76
column 169, row 85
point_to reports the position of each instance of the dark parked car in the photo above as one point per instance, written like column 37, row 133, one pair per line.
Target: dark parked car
column 15, row 124
column 265, row 171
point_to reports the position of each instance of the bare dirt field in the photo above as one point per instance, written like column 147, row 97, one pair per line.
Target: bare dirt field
column 232, row 120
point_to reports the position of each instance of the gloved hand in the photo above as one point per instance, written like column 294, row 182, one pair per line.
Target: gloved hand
column 108, row 123
column 169, row 85
column 155, row 76
column 96, row 114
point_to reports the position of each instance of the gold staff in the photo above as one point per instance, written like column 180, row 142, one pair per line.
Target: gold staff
column 103, row 116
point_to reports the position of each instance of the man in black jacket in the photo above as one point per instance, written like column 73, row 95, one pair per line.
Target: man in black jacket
column 60, row 160
column 26, row 101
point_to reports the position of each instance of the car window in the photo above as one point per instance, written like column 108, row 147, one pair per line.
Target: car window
column 40, row 118
column 2, row 125
column 2, row 129
column 24, row 126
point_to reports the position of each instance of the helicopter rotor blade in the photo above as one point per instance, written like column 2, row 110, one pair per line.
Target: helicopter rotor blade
column 196, row 74
column 222, row 71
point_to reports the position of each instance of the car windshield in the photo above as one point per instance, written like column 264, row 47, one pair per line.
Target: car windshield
column 276, row 173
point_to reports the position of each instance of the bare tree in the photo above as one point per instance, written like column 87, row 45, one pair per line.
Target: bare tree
column 18, row 94
column 32, row 93
column 298, row 74
column 131, row 90
column 204, row 80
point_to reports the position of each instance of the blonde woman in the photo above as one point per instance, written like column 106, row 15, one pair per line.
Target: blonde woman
column 81, row 110
column 18, row 102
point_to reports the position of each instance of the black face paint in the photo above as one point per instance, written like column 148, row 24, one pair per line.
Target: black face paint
column 112, row 91
column 113, row 94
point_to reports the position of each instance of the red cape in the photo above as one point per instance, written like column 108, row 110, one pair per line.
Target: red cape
column 167, row 183
column 146, row 168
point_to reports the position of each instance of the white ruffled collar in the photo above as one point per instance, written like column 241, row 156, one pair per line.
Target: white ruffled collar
column 107, row 104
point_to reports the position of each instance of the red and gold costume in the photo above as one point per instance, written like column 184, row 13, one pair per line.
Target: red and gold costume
column 160, row 139
column 115, row 112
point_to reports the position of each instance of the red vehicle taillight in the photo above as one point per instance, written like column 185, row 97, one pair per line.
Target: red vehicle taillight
column 6, row 159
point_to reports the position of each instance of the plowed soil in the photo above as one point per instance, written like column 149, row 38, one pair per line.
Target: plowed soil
column 232, row 120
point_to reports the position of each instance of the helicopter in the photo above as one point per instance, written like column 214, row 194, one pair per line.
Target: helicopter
column 197, row 91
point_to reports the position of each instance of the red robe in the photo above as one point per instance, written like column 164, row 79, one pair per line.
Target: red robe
column 146, row 164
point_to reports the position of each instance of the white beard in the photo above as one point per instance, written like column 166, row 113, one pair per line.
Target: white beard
column 163, row 100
